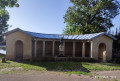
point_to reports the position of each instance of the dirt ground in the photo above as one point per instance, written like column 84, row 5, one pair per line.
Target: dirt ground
column 58, row 76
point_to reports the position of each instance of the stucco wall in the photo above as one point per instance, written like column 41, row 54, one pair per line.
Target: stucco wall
column 107, row 41
column 39, row 48
column 57, row 43
column 27, row 46
column 10, row 45
column 87, row 49
column 78, row 49
column 48, row 48
column 68, row 49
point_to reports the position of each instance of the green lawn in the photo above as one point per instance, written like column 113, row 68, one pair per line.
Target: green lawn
column 67, row 67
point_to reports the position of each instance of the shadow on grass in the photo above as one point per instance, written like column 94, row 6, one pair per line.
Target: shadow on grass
column 60, row 66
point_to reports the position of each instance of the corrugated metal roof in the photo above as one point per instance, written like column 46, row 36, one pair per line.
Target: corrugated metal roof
column 77, row 37
column 41, row 35
column 58, row 36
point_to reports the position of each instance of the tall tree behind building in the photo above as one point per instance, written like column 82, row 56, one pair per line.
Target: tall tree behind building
column 90, row 16
column 116, row 43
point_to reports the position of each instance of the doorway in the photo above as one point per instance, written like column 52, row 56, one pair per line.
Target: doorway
column 18, row 50
column 102, row 52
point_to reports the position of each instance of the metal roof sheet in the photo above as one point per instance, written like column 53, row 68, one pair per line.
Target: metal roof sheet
column 58, row 36
column 77, row 37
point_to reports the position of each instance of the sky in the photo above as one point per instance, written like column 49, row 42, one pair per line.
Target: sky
column 42, row 16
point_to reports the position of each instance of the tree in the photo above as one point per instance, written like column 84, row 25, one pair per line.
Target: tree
column 3, row 24
column 4, row 15
column 7, row 3
column 90, row 16
column 116, row 43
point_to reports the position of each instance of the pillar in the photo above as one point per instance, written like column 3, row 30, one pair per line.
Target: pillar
column 53, row 48
column 91, row 49
column 35, row 48
column 43, row 48
column 73, row 48
column 64, row 47
column 83, row 50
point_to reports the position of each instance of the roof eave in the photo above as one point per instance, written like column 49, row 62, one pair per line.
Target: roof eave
column 17, row 29
column 110, row 36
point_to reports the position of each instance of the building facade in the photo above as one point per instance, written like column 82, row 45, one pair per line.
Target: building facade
column 21, row 45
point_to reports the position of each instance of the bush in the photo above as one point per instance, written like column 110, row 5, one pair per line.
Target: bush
column 116, row 57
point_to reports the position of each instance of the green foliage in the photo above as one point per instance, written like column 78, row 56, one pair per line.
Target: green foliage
column 1, row 39
column 7, row 3
column 116, row 43
column 90, row 16
column 4, row 15
column 3, row 25
column 3, row 22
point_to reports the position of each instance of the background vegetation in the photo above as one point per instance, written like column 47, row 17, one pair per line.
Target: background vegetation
column 4, row 15
column 90, row 16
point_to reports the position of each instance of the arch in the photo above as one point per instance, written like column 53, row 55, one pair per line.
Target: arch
column 102, row 52
column 18, row 50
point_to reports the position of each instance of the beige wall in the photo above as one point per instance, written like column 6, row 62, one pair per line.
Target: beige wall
column 27, row 45
column 10, row 45
column 107, row 41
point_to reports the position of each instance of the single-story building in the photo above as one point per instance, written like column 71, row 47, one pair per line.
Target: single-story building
column 22, row 45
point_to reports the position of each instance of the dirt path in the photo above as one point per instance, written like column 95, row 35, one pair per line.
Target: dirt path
column 57, row 76
column 108, row 75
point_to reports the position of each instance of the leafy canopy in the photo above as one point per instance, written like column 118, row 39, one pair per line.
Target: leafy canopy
column 4, row 15
column 7, row 3
column 90, row 16
column 3, row 24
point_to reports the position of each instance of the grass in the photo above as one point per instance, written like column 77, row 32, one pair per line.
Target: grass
column 101, row 66
column 78, row 68
column 79, row 72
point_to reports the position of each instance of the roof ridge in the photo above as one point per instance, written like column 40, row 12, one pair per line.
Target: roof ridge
column 41, row 33
column 58, row 34
column 90, row 36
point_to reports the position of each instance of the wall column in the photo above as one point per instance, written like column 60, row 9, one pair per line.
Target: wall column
column 35, row 48
column 64, row 47
column 53, row 48
column 91, row 49
column 73, row 48
column 83, row 49
column 43, row 48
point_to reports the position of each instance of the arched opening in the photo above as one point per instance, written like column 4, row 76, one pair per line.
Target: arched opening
column 102, row 52
column 18, row 50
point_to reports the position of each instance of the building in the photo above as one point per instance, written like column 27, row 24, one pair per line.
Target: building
column 22, row 44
